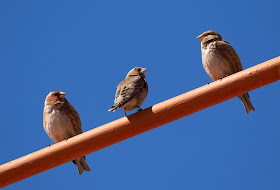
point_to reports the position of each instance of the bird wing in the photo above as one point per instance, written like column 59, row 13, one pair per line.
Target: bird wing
column 129, row 88
column 228, row 52
column 74, row 118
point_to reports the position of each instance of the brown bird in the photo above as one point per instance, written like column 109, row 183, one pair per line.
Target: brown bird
column 132, row 91
column 219, row 60
column 62, row 121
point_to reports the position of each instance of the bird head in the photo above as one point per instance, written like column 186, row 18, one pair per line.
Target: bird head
column 55, row 97
column 137, row 71
column 209, row 35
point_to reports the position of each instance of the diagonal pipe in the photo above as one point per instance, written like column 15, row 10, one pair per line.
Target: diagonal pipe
column 150, row 118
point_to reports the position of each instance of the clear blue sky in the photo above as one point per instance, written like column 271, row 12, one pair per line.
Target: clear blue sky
column 86, row 48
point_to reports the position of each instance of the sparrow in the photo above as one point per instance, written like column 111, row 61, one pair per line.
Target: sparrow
column 132, row 91
column 61, row 122
column 219, row 60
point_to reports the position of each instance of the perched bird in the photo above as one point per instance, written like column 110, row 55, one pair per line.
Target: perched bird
column 219, row 60
column 132, row 91
column 62, row 121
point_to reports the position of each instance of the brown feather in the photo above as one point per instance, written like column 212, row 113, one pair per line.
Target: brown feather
column 219, row 60
column 61, row 121
column 132, row 91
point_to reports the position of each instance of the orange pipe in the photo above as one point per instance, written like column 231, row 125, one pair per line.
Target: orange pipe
column 150, row 118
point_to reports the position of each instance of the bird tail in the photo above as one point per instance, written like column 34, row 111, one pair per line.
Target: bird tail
column 81, row 164
column 113, row 108
column 245, row 98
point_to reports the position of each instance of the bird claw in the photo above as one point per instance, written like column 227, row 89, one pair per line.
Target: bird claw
column 224, row 76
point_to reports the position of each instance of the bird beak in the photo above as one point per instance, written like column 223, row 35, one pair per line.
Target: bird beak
column 143, row 70
column 62, row 94
column 199, row 37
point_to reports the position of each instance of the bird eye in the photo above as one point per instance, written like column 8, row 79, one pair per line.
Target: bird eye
column 206, row 34
column 55, row 94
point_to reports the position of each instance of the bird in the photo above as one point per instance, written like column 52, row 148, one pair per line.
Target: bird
column 220, row 60
column 132, row 91
column 61, row 121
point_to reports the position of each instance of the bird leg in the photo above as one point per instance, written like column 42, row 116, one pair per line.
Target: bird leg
column 139, row 109
column 125, row 113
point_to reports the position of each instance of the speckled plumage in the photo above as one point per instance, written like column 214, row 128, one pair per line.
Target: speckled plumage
column 61, row 121
column 219, row 60
column 132, row 91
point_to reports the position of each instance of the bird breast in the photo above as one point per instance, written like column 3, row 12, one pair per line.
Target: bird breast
column 58, row 126
column 214, row 63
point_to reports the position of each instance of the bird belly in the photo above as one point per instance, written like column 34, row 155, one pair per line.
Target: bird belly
column 136, row 101
column 215, row 66
column 130, row 105
column 58, row 127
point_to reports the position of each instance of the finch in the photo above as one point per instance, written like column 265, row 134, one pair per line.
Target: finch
column 61, row 121
column 219, row 60
column 132, row 91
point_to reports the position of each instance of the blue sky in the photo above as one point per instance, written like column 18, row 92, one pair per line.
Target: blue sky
column 85, row 48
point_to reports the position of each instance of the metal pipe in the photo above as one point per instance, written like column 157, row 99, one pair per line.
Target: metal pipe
column 145, row 120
